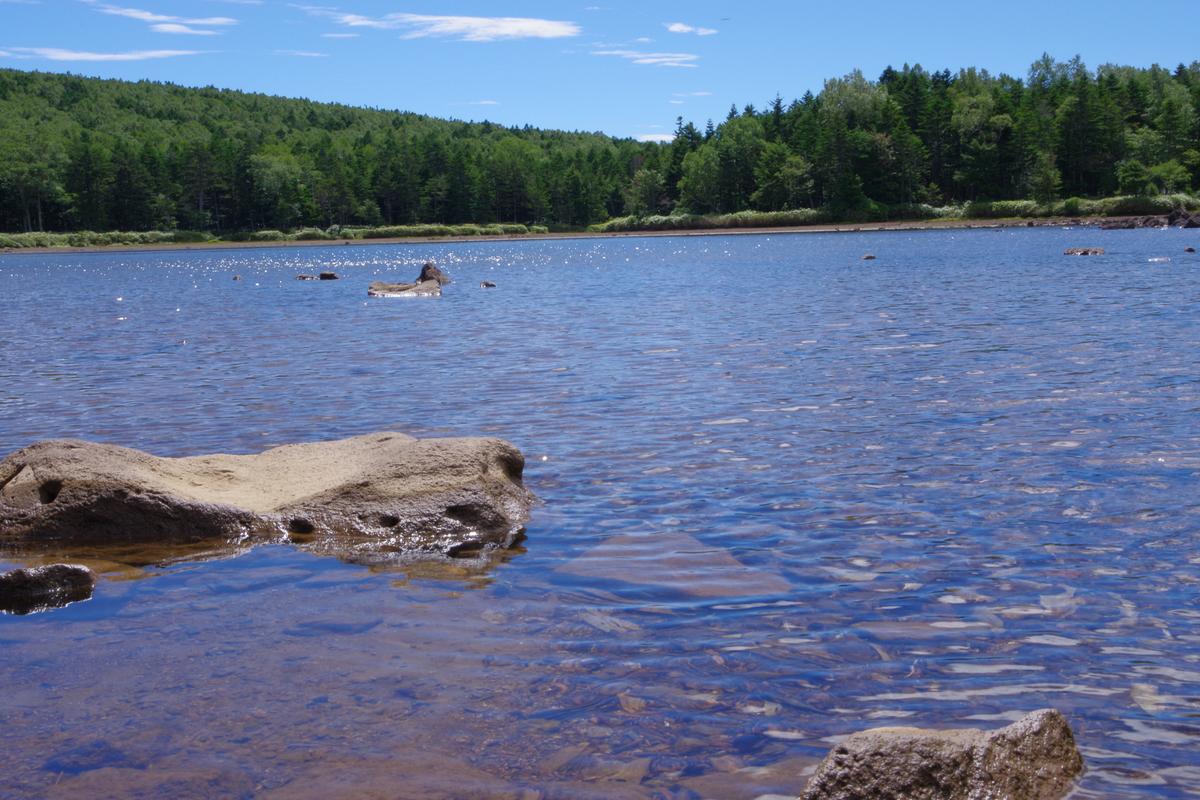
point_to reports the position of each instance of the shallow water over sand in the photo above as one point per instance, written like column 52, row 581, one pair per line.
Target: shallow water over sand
column 787, row 494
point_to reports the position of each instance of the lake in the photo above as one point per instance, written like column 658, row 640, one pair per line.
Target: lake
column 786, row 494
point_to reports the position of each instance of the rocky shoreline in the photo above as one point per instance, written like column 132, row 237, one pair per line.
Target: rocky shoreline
column 1106, row 223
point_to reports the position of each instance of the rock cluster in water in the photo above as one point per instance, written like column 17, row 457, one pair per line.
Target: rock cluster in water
column 24, row 591
column 1084, row 251
column 428, row 284
column 1035, row 758
column 366, row 499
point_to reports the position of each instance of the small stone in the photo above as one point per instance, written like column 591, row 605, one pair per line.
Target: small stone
column 1084, row 251
column 328, row 276
column 868, row 257
column 486, row 285
column 306, row 277
column 1189, row 249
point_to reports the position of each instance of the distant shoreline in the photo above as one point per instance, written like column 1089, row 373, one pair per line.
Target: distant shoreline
column 848, row 227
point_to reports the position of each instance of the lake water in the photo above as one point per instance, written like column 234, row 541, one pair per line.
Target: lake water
column 787, row 494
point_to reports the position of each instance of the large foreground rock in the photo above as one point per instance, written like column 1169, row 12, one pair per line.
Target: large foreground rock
column 1035, row 758
column 24, row 591
column 368, row 498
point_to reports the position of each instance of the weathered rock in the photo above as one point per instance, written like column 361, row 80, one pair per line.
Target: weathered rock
column 1084, row 251
column 1189, row 249
column 328, row 276
column 422, row 289
column 428, row 284
column 23, row 591
column 868, row 257
column 431, row 273
column 1035, row 758
column 486, row 285
column 306, row 277
column 364, row 499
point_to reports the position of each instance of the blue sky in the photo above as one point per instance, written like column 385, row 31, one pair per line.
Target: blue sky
column 625, row 68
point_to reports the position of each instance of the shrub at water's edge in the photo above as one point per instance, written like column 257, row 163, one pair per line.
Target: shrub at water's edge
column 984, row 210
column 20, row 241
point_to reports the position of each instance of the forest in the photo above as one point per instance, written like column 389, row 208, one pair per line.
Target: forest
column 80, row 153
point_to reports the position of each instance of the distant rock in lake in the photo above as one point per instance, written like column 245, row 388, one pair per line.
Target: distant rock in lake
column 306, row 277
column 328, row 276
column 486, row 285
column 364, row 499
column 24, row 591
column 428, row 284
column 1035, row 758
column 1084, row 251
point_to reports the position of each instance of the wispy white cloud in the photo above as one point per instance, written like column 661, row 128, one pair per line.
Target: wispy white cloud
column 691, row 94
column 683, row 27
column 301, row 53
column 58, row 54
column 485, row 103
column 175, row 27
column 675, row 102
column 643, row 40
column 149, row 16
column 466, row 29
column 656, row 137
column 653, row 59
column 339, row 35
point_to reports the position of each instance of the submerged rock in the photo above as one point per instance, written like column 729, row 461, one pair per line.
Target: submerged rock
column 306, row 277
column 366, row 499
column 24, row 591
column 486, row 285
column 1084, row 251
column 868, row 257
column 327, row 276
column 1035, row 758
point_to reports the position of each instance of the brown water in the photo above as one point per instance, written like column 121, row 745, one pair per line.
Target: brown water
column 787, row 495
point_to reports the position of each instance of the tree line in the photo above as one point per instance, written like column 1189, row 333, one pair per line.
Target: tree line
column 88, row 154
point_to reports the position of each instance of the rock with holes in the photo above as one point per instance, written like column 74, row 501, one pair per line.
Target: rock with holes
column 370, row 498
column 24, row 591
column 1035, row 758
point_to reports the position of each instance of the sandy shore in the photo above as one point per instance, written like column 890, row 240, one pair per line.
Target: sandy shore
column 848, row 227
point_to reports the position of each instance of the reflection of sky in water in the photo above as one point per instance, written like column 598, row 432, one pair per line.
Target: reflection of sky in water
column 788, row 495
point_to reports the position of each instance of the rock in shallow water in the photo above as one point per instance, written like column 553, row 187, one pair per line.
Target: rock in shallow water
column 24, row 591
column 365, row 499
column 1035, row 758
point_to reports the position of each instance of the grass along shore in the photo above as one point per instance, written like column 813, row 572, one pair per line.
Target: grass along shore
column 1004, row 213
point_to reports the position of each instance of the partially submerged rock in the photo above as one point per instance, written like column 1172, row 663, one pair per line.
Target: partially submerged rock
column 428, row 284
column 429, row 272
column 486, row 285
column 422, row 289
column 327, row 276
column 1084, row 251
column 1035, row 758
column 366, row 499
column 306, row 277
column 24, row 591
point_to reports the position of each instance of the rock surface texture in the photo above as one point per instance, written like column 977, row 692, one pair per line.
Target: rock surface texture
column 24, row 591
column 1035, row 758
column 366, row 499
